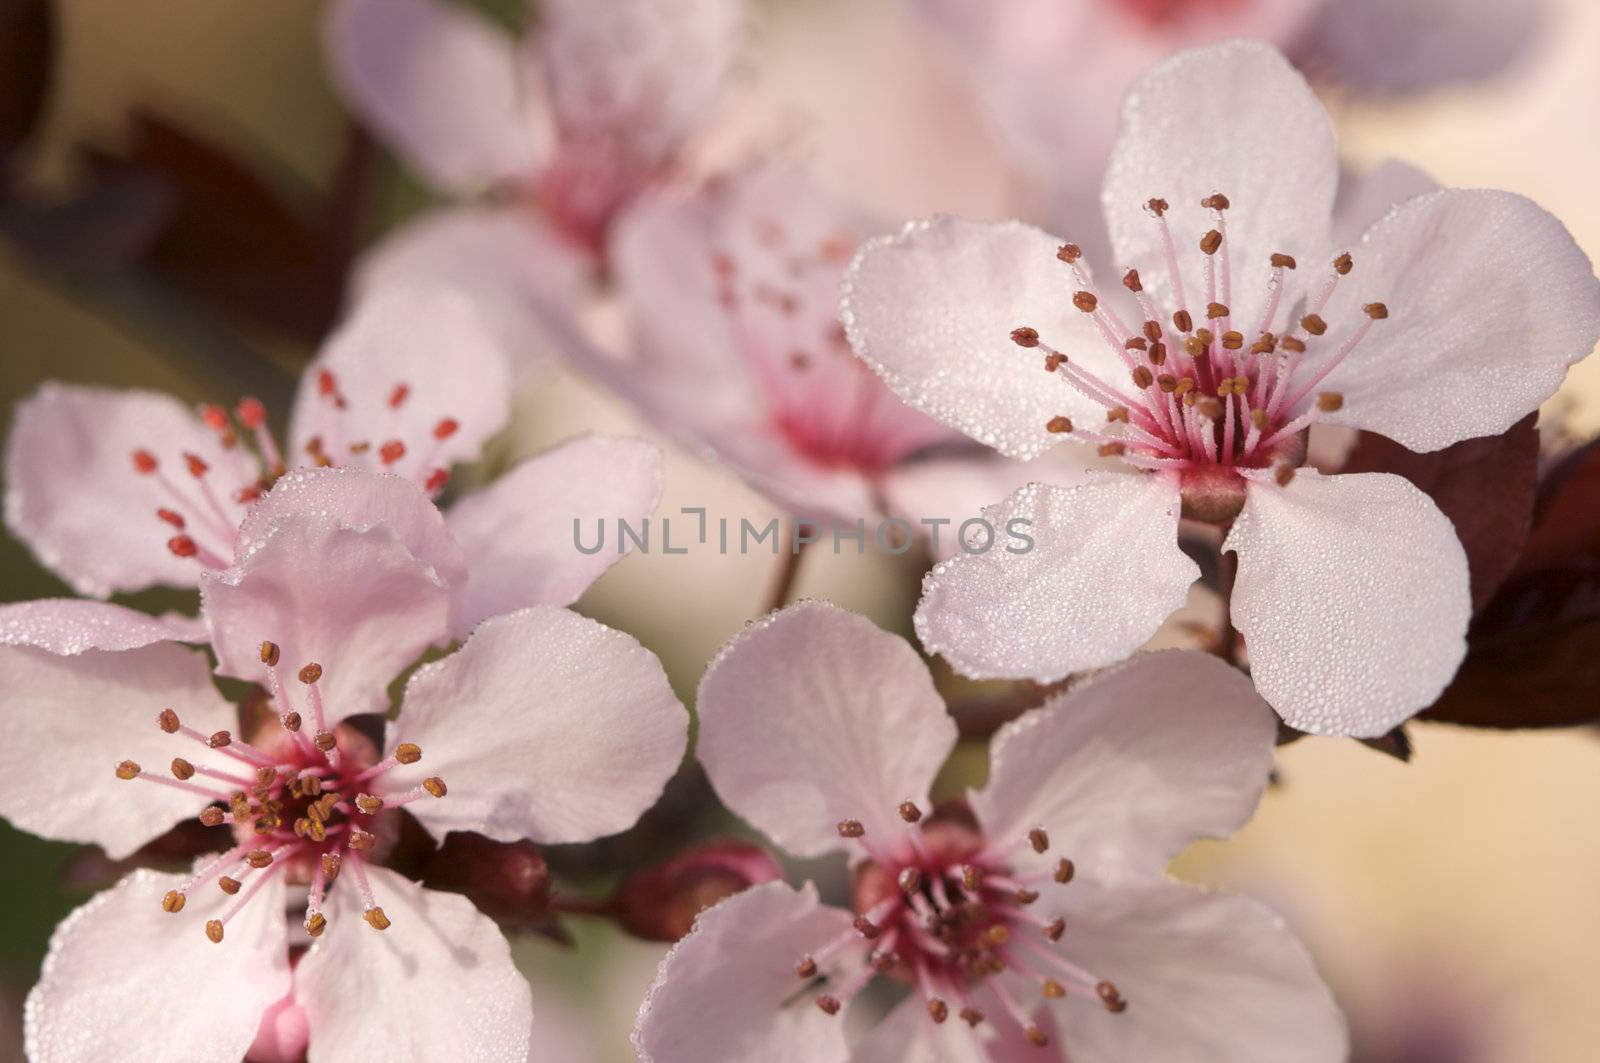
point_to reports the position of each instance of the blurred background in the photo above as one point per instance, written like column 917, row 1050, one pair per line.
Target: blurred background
column 1451, row 901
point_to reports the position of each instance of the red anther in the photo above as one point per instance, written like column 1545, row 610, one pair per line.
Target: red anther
column 246, row 495
column 144, row 462
column 326, row 384
column 182, row 546
column 392, row 451
column 215, row 417
column 173, row 518
column 436, row 480
column 197, row 464
column 250, row 412
column 398, row 395
column 446, row 428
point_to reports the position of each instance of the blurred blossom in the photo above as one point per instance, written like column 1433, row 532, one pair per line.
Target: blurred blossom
column 311, row 807
column 826, row 733
column 1352, row 590
column 660, row 903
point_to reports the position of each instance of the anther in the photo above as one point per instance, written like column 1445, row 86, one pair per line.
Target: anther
column 1204, row 335
column 1025, row 337
column 1157, row 206
column 998, row 934
column 291, row 721
column 391, row 451
column 1026, row 896
column 1110, row 997
column 212, row 817
column 196, row 464
column 806, row 968
column 369, row 804
column 938, row 1010
column 1142, row 377
column 1283, row 474
column 408, row 752
column 183, row 546
column 1259, row 418
column 1314, row 324
column 1058, row 425
column 144, row 462
column 324, row 741
column 866, row 927
column 849, row 828
column 316, row 924
column 182, row 769
column 258, row 858
column 1329, row 401
column 1085, row 301
column 1158, row 353
column 1069, row 253
column 1195, row 347
column 1216, row 310
column 435, row 786
column 1130, row 281
column 230, row 886
column 1057, row 927
column 127, row 769
column 311, row 673
column 251, row 413
column 436, row 480
column 1167, row 383
column 1282, row 261
column 1053, row 989
column 1053, row 361
column 910, row 880
column 1136, row 343
column 330, row 866
column 971, row 1016
column 1117, row 414
column 1065, row 869
column 1038, row 839
column 1290, row 343
column 1036, row 1036
column 362, row 840
column 375, row 918
column 172, row 517
column 910, row 812
column 445, row 428
column 214, row 931
column 1343, row 264
column 220, row 740
column 1112, row 450
column 1376, row 311
column 173, row 902
column 1211, row 242
column 828, row 1004
column 1182, row 321
column 1232, row 341
column 971, row 878
column 1152, row 331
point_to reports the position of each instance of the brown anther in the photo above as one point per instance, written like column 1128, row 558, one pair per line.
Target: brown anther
column 214, row 931
column 239, row 804
column 1182, row 321
column 435, row 786
column 324, row 741
column 258, row 858
column 1057, row 927
column 1195, row 347
column 1085, row 301
column 866, row 927
column 1158, row 354
column 1142, row 377
column 971, row 878
column 362, row 840
column 1265, row 345
column 1026, row 896
column 1233, row 341
column 212, row 817
column 328, row 802
column 1216, row 310
column 1204, row 335
column 1110, row 997
column 317, row 831
column 173, row 901
column 1069, row 252
column 828, row 1004
column 269, row 654
column 971, row 1016
column 1209, row 408
column 1343, row 264
column 1283, row 474
column 1116, row 414
column 1036, row 1036
column 168, row 721
column 1376, row 311
column 1329, row 401
column 1258, row 418
column 1053, row 989
column 1136, row 343
column 127, row 769
column 1157, row 207
column 1291, row 343
column 1112, row 450
column 368, row 804
column 291, row 721
column 1185, row 386
column 1025, row 337
column 311, row 673
column 316, row 924
column 1314, row 324
column 330, row 866
column 1167, row 383
column 1058, row 425
column 375, row 918
column 1130, row 281
column 1211, row 242
column 407, row 753
column 1282, row 261
column 182, row 770
column 302, row 826
column 998, row 934
column 938, row 1010
column 1216, row 201
column 806, row 968
column 266, row 775
column 1152, row 331
column 910, row 880
column 219, row 740
column 909, row 811
column 230, row 886
column 1065, row 869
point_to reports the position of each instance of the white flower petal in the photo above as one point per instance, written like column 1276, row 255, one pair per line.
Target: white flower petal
column 1102, row 574
column 1234, row 118
column 1133, row 765
column 522, row 531
column 1364, row 199
column 71, row 719
column 445, row 87
column 545, row 725
column 1209, row 978
column 728, row 990
column 1352, row 597
column 437, row 984
column 1489, row 300
column 814, row 715
column 124, row 980
column 932, row 308
column 69, row 626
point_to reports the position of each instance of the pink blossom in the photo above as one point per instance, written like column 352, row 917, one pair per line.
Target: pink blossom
column 1035, row 913
column 1258, row 314
column 121, row 490
column 204, row 965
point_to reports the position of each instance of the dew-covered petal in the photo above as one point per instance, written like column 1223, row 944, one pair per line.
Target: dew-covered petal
column 932, row 308
column 1102, row 572
column 813, row 716
column 443, row 86
column 1489, row 300
column 74, row 496
column 355, row 601
column 127, row 981
column 1234, row 118
column 728, row 990
column 73, row 712
column 419, row 368
column 1208, row 977
column 1352, row 597
column 545, row 725
column 69, row 626
column 522, row 532
column 437, row 984
column 1364, row 199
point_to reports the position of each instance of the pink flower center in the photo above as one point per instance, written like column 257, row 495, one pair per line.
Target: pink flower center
column 944, row 909
column 1209, row 395
column 1160, row 14
column 309, row 803
column 201, row 518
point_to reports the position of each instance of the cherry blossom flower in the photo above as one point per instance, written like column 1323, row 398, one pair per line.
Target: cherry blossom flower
column 1453, row 316
column 554, row 133
column 1035, row 912
column 121, row 490
column 546, row 725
